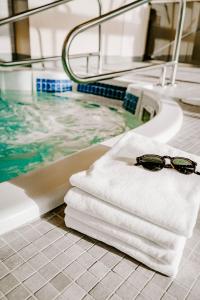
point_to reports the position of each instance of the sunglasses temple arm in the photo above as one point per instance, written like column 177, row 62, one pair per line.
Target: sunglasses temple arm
column 196, row 172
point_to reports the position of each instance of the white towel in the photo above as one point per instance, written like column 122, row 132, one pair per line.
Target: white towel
column 163, row 255
column 167, row 269
column 166, row 198
column 102, row 210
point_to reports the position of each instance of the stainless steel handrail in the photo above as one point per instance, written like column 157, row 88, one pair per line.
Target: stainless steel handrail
column 100, row 38
column 42, row 8
column 44, row 59
column 32, row 11
column 177, row 42
column 110, row 15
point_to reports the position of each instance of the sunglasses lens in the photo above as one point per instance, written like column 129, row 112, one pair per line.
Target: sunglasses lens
column 151, row 162
column 183, row 165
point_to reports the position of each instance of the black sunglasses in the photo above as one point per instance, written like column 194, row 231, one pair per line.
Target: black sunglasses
column 154, row 162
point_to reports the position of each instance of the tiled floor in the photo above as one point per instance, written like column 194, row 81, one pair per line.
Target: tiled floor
column 45, row 260
column 188, row 138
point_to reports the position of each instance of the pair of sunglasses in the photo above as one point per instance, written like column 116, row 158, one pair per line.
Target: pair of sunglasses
column 154, row 162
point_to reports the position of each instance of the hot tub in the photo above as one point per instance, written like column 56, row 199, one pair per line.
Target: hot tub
column 51, row 126
column 48, row 135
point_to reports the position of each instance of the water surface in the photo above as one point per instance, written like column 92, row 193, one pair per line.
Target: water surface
column 35, row 131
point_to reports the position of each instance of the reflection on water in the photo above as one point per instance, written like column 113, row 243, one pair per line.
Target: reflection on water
column 34, row 133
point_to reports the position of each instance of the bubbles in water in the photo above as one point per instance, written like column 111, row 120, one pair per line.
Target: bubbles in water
column 51, row 127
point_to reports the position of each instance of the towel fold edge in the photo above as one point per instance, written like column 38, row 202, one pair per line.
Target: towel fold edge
column 169, row 270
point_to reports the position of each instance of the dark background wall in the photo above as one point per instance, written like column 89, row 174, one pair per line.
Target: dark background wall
column 161, row 32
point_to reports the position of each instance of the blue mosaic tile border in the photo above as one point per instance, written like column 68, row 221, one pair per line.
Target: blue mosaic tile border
column 130, row 102
column 53, row 86
column 102, row 89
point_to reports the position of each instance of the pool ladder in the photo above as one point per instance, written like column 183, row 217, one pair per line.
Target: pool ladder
column 97, row 22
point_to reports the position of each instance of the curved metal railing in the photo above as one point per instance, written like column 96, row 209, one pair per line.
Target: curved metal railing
column 92, row 23
column 37, row 10
column 110, row 15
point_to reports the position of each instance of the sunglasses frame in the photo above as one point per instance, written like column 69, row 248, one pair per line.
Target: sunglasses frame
column 171, row 165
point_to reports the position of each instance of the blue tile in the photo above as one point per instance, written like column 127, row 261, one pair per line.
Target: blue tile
column 130, row 102
column 102, row 89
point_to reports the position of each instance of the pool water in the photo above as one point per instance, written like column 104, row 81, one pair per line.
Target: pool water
column 47, row 127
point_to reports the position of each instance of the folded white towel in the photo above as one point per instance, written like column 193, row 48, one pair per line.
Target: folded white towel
column 167, row 269
column 113, row 215
column 163, row 255
column 166, row 198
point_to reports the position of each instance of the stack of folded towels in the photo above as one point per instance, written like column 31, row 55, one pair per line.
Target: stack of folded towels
column 147, row 215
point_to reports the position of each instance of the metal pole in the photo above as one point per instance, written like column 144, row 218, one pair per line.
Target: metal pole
column 30, row 12
column 163, row 76
column 100, row 57
column 177, row 41
column 42, row 59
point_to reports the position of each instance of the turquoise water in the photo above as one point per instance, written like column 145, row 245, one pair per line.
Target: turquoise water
column 35, row 131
